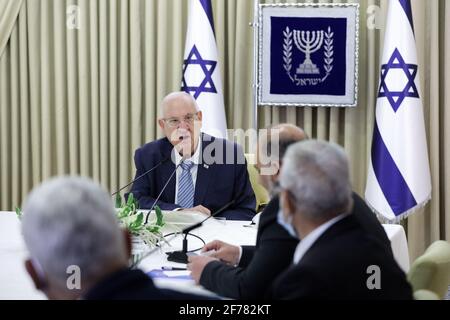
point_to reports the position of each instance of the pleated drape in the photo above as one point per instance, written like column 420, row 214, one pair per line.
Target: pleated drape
column 9, row 10
column 80, row 101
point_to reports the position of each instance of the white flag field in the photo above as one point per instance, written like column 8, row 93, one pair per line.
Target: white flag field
column 398, row 181
column 201, row 72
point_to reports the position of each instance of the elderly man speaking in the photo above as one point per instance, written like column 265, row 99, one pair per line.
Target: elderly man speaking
column 199, row 172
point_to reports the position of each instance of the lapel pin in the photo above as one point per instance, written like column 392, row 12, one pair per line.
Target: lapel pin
column 205, row 166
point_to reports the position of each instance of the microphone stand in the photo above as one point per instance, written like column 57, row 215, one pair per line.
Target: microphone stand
column 181, row 256
column 160, row 193
column 142, row 175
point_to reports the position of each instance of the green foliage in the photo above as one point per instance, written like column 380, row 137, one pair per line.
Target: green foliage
column 128, row 208
column 131, row 218
column 159, row 217
column 118, row 203
column 134, row 220
column 19, row 213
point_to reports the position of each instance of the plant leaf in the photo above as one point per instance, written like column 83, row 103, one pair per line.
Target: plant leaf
column 130, row 199
column 139, row 219
column 159, row 216
column 153, row 229
column 118, row 201
column 124, row 212
column 19, row 213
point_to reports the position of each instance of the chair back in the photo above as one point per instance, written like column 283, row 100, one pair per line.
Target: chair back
column 261, row 194
column 431, row 271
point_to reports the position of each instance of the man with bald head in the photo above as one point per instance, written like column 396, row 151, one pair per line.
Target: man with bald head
column 199, row 172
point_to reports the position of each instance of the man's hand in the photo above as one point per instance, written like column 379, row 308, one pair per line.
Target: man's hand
column 201, row 209
column 223, row 251
column 196, row 265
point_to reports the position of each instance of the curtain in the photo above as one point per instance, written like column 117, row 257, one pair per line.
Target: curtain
column 81, row 100
column 9, row 9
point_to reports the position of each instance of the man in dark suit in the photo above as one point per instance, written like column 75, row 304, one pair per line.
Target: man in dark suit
column 77, row 249
column 249, row 276
column 202, row 173
column 336, row 257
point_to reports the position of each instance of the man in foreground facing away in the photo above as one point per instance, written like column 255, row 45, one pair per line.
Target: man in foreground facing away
column 76, row 248
column 336, row 258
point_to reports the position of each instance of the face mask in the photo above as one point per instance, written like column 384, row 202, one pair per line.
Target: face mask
column 286, row 224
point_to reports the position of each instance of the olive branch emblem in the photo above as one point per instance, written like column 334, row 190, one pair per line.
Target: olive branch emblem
column 328, row 53
column 287, row 52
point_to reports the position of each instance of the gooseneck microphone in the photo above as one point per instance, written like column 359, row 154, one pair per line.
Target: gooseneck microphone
column 142, row 175
column 181, row 256
column 161, row 192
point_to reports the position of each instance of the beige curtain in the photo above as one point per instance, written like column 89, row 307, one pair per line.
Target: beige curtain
column 9, row 9
column 79, row 101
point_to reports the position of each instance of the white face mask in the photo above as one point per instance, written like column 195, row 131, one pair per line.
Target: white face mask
column 286, row 224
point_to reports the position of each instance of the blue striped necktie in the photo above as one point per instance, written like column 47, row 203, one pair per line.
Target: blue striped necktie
column 186, row 186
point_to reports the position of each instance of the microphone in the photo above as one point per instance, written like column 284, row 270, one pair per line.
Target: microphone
column 161, row 192
column 142, row 175
column 181, row 256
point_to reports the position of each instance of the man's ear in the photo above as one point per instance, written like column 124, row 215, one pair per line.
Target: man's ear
column 288, row 203
column 161, row 123
column 200, row 115
column 128, row 244
column 39, row 283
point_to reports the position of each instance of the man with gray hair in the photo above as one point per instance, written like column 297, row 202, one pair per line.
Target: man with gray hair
column 77, row 249
column 205, row 172
column 336, row 258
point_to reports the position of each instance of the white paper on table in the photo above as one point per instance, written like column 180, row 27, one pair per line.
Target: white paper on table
column 177, row 273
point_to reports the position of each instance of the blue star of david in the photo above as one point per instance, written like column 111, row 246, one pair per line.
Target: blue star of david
column 207, row 66
column 396, row 98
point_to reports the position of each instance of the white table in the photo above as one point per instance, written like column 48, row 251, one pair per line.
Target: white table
column 14, row 280
column 232, row 232
column 16, row 284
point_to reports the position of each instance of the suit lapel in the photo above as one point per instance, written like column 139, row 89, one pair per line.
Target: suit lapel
column 268, row 217
column 167, row 169
column 204, row 172
column 270, row 212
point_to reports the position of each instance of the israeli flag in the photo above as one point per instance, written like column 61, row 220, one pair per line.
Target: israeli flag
column 399, row 180
column 201, row 73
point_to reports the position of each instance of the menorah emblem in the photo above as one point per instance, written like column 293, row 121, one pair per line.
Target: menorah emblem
column 308, row 42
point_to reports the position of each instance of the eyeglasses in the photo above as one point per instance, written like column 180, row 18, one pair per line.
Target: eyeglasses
column 175, row 122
